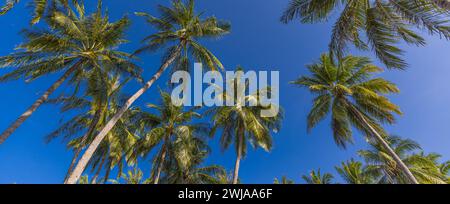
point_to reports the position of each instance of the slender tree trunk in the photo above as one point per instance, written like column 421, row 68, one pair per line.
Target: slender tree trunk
column 160, row 166
column 238, row 158
column 99, row 169
column 108, row 171
column 391, row 152
column 94, row 124
column 37, row 103
column 72, row 164
column 97, row 140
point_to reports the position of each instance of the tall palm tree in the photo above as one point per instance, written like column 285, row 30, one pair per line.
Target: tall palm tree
column 317, row 178
column 80, row 46
column 348, row 91
column 242, row 124
column 39, row 7
column 179, row 28
column 176, row 136
column 97, row 105
column 284, row 180
column 374, row 24
column 424, row 167
column 353, row 172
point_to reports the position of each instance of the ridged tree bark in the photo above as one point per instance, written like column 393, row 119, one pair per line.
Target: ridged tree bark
column 386, row 146
column 99, row 138
column 19, row 121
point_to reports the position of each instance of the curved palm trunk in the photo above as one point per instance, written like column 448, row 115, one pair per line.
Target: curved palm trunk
column 97, row 140
column 391, row 152
column 94, row 124
column 37, row 103
column 239, row 156
column 72, row 163
column 158, row 173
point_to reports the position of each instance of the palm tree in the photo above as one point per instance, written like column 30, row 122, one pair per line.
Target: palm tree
column 354, row 98
column 193, row 172
column 284, row 180
column 374, row 24
column 176, row 136
column 353, row 172
column 134, row 176
column 317, row 178
column 97, row 105
column 80, row 46
column 242, row 124
column 224, row 177
column 39, row 7
column 179, row 28
column 424, row 167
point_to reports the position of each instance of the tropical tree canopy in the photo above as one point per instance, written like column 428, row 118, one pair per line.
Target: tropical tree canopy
column 181, row 143
column 91, row 41
column 379, row 25
column 425, row 167
column 346, row 89
column 78, row 132
column 353, row 172
column 316, row 177
column 180, row 26
column 39, row 7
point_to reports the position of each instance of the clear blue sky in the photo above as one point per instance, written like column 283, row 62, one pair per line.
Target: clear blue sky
column 258, row 41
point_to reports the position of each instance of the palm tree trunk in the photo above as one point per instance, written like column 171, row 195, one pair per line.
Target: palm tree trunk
column 72, row 164
column 99, row 169
column 108, row 171
column 239, row 156
column 101, row 135
column 160, row 166
column 391, row 152
column 19, row 121
column 94, row 124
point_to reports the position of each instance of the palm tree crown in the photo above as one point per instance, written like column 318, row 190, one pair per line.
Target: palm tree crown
column 173, row 132
column 382, row 22
column 381, row 165
column 353, row 172
column 180, row 27
column 39, row 7
column 346, row 89
column 317, row 178
column 90, row 40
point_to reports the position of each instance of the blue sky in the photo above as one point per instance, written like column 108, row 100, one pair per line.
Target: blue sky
column 258, row 42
